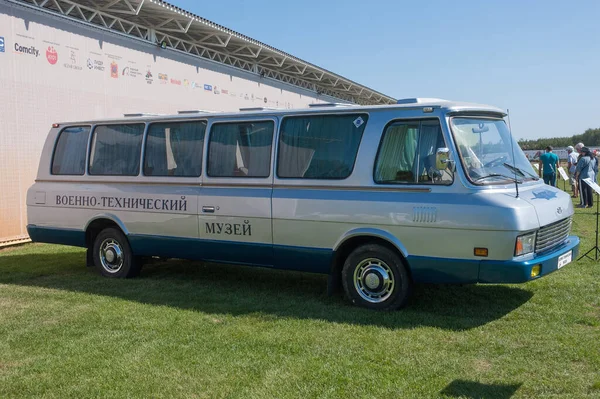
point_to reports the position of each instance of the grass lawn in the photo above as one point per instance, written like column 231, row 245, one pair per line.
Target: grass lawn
column 186, row 329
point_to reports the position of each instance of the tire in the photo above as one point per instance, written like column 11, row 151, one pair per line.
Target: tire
column 375, row 277
column 113, row 256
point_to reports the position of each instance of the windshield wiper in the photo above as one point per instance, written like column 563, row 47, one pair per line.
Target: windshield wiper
column 520, row 171
column 498, row 175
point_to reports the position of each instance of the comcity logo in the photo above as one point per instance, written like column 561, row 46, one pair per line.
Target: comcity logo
column 31, row 50
column 1, row 44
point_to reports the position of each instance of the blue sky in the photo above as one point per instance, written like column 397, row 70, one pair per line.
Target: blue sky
column 540, row 59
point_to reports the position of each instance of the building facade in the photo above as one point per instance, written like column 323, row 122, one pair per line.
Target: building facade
column 61, row 62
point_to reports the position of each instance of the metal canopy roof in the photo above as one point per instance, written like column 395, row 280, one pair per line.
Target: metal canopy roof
column 157, row 21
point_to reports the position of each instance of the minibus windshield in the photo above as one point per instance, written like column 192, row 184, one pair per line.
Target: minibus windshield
column 486, row 148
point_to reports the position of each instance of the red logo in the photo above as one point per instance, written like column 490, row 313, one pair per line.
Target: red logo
column 51, row 55
column 114, row 70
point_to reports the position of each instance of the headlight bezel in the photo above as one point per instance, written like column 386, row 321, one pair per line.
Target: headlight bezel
column 525, row 243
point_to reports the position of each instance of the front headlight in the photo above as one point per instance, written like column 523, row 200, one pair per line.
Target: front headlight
column 525, row 244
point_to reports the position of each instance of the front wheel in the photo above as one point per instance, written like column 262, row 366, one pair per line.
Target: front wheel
column 113, row 256
column 375, row 277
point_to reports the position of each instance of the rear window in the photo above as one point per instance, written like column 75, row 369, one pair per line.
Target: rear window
column 116, row 150
column 70, row 151
column 174, row 149
column 320, row 146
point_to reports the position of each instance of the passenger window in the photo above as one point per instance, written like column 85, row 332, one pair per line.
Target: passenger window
column 174, row 149
column 70, row 151
column 320, row 146
column 407, row 154
column 240, row 149
column 116, row 150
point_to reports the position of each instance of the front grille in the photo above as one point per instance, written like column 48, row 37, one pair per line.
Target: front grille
column 553, row 234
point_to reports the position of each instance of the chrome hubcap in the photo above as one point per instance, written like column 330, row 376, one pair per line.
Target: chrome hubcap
column 374, row 280
column 111, row 255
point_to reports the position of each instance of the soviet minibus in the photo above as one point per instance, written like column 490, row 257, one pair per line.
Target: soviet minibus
column 376, row 197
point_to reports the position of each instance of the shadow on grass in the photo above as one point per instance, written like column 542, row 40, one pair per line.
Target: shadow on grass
column 476, row 390
column 237, row 290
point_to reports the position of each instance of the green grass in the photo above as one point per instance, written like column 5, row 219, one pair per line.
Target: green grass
column 186, row 329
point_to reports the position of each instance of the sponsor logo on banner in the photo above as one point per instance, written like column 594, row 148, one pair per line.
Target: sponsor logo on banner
column 176, row 82
column 72, row 64
column 51, row 55
column 265, row 100
column 224, row 91
column 207, row 87
column 125, row 71
column 186, row 82
column 31, row 50
column 114, row 70
column 149, row 77
column 134, row 72
column 163, row 77
column 1, row 44
column 96, row 65
column 216, row 90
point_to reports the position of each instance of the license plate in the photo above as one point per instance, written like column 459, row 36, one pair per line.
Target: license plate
column 565, row 259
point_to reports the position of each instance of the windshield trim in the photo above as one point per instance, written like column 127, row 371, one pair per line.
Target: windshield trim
column 459, row 154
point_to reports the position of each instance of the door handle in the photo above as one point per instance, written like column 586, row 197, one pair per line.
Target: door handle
column 208, row 209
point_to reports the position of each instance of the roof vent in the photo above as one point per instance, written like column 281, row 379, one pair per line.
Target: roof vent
column 139, row 114
column 317, row 105
column 195, row 111
column 258, row 109
column 419, row 100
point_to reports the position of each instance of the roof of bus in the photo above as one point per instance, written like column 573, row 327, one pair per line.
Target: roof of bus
column 443, row 105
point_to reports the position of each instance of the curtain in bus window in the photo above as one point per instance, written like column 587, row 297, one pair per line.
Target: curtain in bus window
column 320, row 147
column 241, row 149
column 187, row 144
column 70, row 151
column 255, row 148
column 223, row 150
column 175, row 149
column 396, row 160
column 430, row 139
column 116, row 150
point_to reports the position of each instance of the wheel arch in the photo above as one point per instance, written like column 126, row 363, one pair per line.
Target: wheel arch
column 352, row 240
column 99, row 222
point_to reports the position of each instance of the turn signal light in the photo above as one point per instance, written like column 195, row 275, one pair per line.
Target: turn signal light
column 481, row 252
column 55, row 125
column 535, row 271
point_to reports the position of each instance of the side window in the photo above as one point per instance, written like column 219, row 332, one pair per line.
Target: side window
column 407, row 154
column 174, row 149
column 116, row 150
column 241, row 149
column 319, row 146
column 70, row 151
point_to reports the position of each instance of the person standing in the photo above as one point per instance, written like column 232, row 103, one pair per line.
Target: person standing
column 578, row 148
column 584, row 170
column 595, row 156
column 571, row 166
column 549, row 166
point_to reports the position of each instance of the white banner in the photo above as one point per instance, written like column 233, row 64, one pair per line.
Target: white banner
column 563, row 174
column 592, row 184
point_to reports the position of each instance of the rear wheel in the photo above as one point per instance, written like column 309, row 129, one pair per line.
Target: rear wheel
column 375, row 277
column 113, row 256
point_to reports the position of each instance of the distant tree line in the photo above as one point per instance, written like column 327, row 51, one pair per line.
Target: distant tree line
column 590, row 137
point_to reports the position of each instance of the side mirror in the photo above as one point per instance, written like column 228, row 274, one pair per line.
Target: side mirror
column 441, row 158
